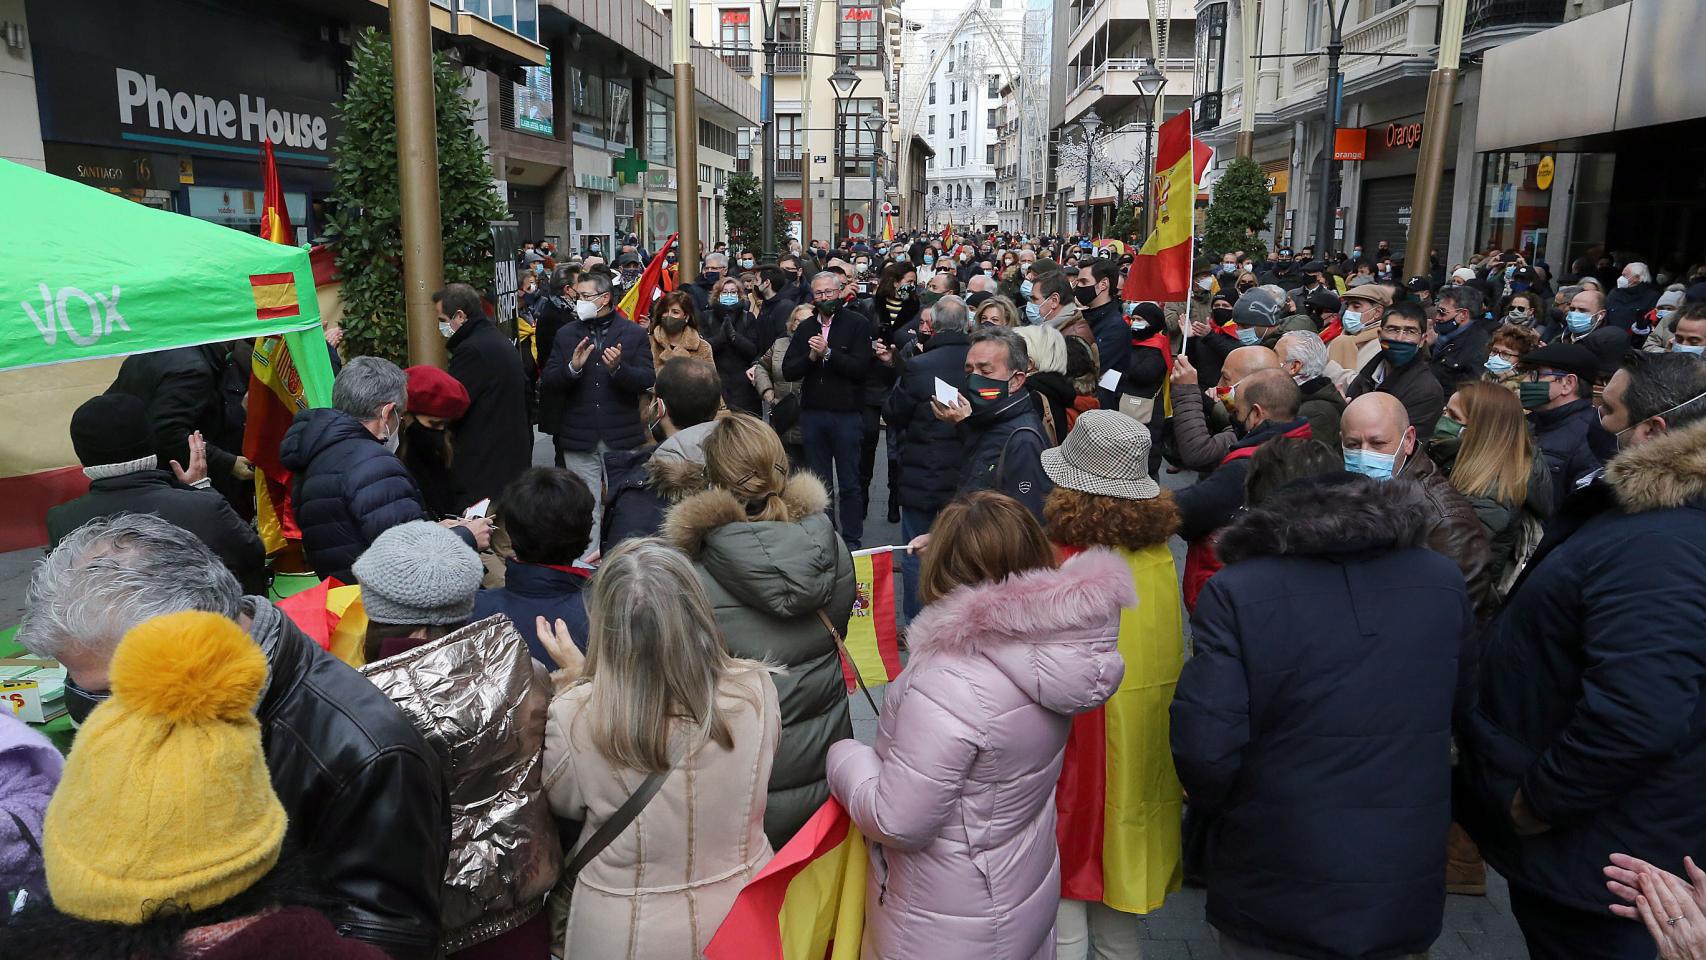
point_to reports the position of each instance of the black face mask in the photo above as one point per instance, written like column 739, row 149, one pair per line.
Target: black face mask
column 1084, row 295
column 426, row 444
column 79, row 703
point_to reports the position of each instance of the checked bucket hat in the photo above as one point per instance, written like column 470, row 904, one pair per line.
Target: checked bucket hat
column 1106, row 454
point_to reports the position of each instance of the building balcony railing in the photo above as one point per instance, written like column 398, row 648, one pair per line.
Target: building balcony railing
column 1396, row 31
column 1178, row 70
column 740, row 63
column 790, row 57
column 788, row 168
column 1493, row 14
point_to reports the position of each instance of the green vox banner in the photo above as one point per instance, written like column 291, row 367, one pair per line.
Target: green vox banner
column 89, row 274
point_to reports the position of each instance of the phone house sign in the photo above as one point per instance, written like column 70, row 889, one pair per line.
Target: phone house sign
column 144, row 103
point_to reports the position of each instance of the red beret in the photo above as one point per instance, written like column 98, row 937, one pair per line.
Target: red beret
column 434, row 393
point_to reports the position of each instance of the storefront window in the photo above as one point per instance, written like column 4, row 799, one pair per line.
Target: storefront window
column 1516, row 203
column 241, row 209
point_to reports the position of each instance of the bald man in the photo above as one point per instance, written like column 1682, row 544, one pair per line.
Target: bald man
column 1197, row 429
column 1380, row 442
column 1264, row 406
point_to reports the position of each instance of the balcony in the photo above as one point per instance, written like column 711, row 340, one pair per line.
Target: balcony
column 1401, row 31
column 1499, row 14
column 740, row 63
column 790, row 58
column 1124, row 70
column 788, row 168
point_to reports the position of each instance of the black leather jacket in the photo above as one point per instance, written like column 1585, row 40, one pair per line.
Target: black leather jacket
column 364, row 791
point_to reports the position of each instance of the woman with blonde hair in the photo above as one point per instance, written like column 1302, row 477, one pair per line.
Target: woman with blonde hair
column 660, row 713
column 1482, row 442
column 779, row 579
column 998, row 311
column 674, row 330
column 957, row 799
column 1053, row 393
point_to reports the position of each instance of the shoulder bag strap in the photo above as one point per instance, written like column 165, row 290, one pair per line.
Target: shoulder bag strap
column 1001, row 461
column 841, row 645
column 618, row 822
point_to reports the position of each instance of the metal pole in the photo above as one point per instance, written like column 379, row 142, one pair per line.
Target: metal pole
column 767, row 113
column 1084, row 223
column 417, row 178
column 1442, row 86
column 871, row 220
column 1247, row 114
column 1329, row 189
column 686, row 139
column 841, row 176
column 1148, row 168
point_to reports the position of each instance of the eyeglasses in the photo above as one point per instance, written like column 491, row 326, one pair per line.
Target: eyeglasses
column 1535, row 376
column 1401, row 333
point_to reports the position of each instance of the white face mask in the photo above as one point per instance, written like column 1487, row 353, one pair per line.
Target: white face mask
column 445, row 329
column 585, row 309
column 1622, row 282
column 393, row 435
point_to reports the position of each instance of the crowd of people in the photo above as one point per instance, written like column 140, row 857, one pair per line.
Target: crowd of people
column 1439, row 554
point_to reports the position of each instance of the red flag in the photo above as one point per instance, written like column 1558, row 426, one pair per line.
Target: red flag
column 1161, row 271
column 275, row 388
column 275, row 219
column 653, row 282
column 808, row 903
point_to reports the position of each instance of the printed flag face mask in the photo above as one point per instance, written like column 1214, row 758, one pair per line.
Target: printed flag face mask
column 984, row 391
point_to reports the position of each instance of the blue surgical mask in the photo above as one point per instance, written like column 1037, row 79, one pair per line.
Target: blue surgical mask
column 746, row 264
column 1498, row 364
column 1025, row 288
column 1664, row 314
column 1370, row 463
column 1033, row 315
column 728, row 299
column 928, row 260
column 1351, row 320
column 1579, row 321
column 1685, row 348
column 1510, row 271
column 1248, row 336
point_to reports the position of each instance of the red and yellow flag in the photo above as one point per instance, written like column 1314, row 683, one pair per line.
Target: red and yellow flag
column 1161, row 271
column 808, row 903
column 275, row 387
column 332, row 614
column 653, row 282
column 872, row 640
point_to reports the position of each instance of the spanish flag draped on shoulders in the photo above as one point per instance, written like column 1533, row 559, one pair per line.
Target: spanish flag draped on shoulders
column 1119, row 801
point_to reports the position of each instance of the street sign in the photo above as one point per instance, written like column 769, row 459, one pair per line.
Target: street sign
column 888, row 208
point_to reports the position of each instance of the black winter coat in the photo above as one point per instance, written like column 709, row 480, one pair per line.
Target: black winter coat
column 1627, row 307
column 553, row 314
column 1573, row 443
column 893, row 329
column 1463, row 358
column 363, row 790
column 1212, row 502
column 1312, row 725
column 600, row 403
column 1113, row 350
column 930, row 450
column 1413, row 384
column 1592, row 684
column 201, row 512
column 1003, row 447
column 773, row 320
column 836, row 382
column 346, row 489
column 493, row 440
column 183, row 389
column 734, row 340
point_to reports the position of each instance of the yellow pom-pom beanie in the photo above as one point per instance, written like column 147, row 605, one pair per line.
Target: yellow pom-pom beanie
column 166, row 797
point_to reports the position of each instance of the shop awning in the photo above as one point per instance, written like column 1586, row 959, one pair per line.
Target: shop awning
column 1632, row 65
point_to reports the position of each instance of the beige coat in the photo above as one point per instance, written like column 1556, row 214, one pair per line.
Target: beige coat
column 1353, row 352
column 687, row 343
column 661, row 889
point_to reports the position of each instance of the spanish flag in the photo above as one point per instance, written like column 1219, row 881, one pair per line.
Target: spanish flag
column 275, row 386
column 332, row 614
column 653, row 282
column 808, row 903
column 1161, row 271
column 872, row 640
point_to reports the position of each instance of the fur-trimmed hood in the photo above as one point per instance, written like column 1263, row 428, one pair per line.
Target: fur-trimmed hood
column 676, row 469
column 1665, row 472
column 786, row 567
column 1340, row 516
column 1054, row 633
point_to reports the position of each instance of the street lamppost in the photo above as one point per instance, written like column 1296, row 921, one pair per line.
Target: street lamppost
column 843, row 81
column 874, row 123
column 1149, row 83
column 1335, row 88
column 1089, row 124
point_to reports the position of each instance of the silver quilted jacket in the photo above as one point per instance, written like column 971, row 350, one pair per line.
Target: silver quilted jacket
column 480, row 699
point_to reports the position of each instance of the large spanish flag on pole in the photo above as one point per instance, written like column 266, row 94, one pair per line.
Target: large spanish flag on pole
column 1161, row 271
column 873, row 643
column 275, row 386
column 808, row 903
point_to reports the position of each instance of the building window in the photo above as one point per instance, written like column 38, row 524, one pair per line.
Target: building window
column 932, row 93
column 704, row 173
column 857, row 33
column 951, row 94
column 930, row 125
column 1210, row 64
column 965, row 92
column 734, row 38
column 790, row 34
column 994, row 86
column 990, row 123
column 858, row 144
column 989, row 154
column 965, row 120
column 950, row 126
column 660, row 144
column 989, row 191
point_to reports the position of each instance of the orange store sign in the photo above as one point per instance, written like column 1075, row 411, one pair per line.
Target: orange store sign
column 1350, row 144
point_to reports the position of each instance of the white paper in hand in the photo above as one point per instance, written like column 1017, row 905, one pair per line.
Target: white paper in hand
column 1110, row 381
column 946, row 395
column 478, row 510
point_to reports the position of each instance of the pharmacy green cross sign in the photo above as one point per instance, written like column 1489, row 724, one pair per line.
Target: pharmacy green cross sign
column 630, row 166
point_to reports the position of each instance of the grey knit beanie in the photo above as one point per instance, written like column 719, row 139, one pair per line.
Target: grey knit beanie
column 419, row 573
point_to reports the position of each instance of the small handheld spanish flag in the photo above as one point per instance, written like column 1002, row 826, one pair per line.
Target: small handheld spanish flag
column 873, row 643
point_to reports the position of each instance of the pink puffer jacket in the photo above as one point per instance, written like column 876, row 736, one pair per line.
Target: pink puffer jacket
column 957, row 799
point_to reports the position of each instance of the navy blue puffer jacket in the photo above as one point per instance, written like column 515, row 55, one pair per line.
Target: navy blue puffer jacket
column 1312, row 724
column 347, row 489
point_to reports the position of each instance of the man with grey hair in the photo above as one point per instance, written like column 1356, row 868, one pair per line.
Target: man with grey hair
column 1001, row 434
column 714, row 266
column 1303, row 357
column 830, row 355
column 363, row 791
column 347, row 484
column 1628, row 305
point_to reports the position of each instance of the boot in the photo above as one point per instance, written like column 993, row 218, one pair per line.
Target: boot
column 1465, row 871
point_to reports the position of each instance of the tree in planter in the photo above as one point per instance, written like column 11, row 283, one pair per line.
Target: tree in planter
column 743, row 207
column 366, row 220
column 1238, row 212
column 1126, row 224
